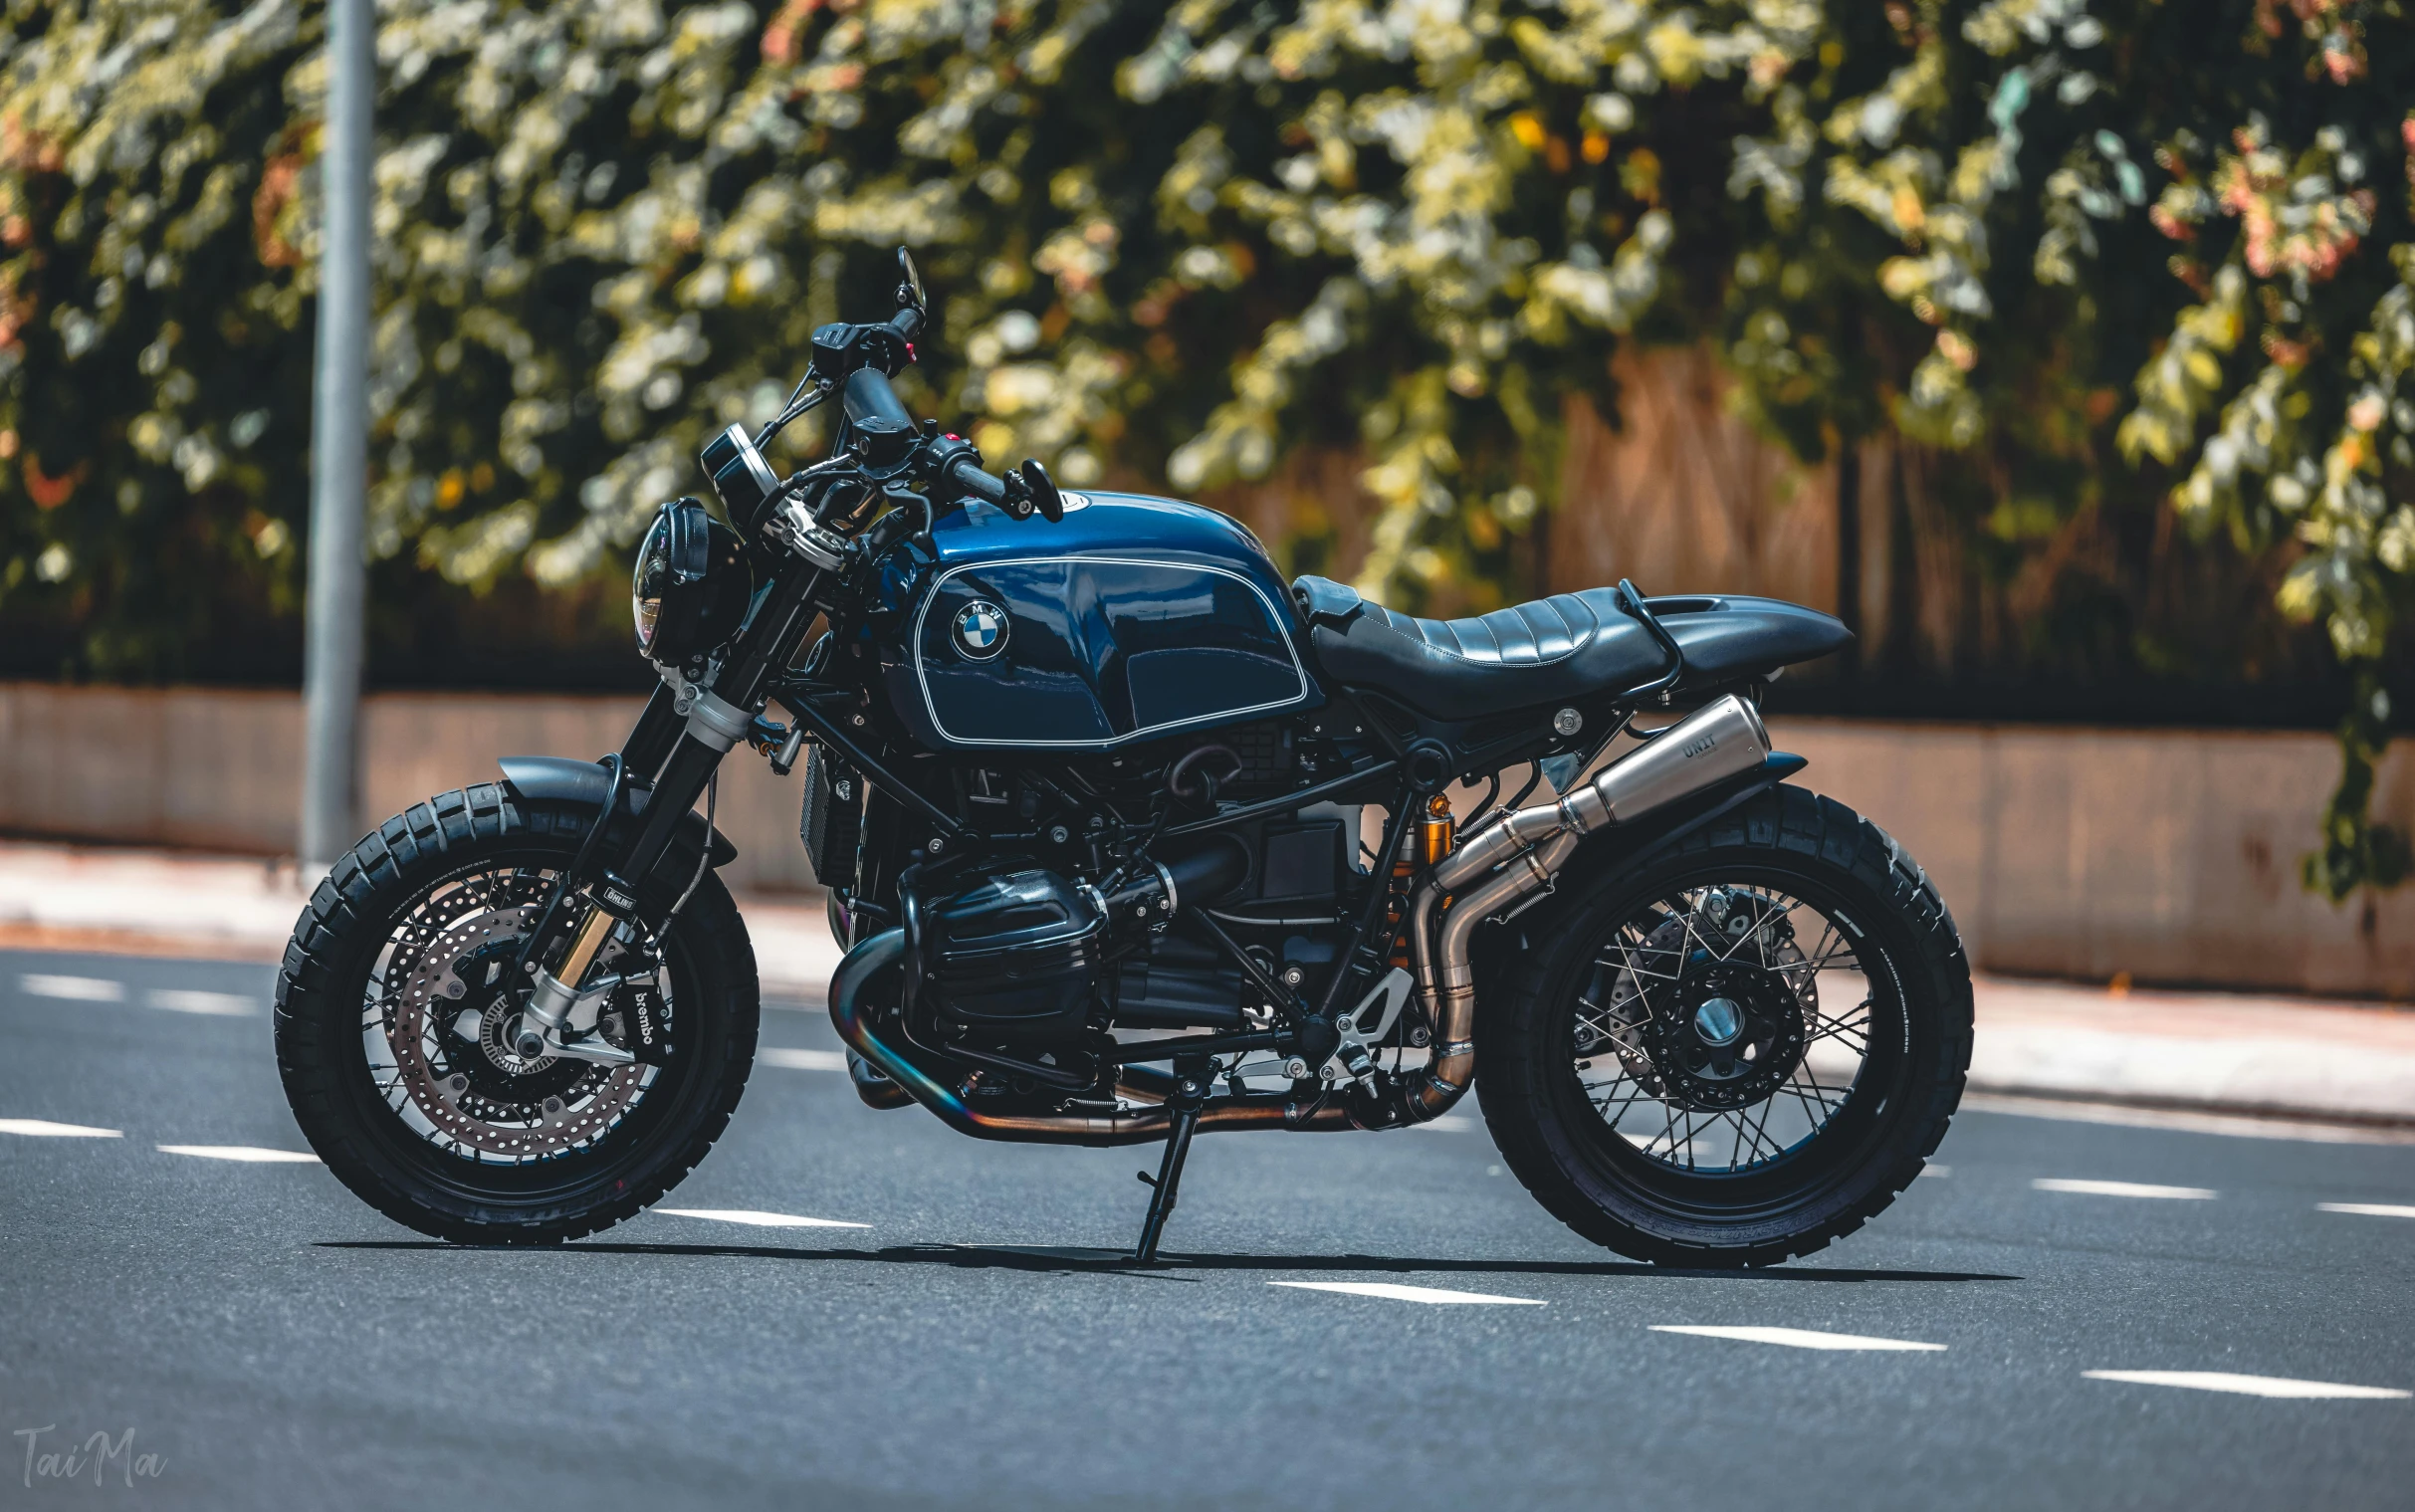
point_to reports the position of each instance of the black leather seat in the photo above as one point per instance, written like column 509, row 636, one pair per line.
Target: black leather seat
column 1555, row 650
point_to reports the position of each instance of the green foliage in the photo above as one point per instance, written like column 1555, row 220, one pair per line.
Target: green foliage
column 2090, row 256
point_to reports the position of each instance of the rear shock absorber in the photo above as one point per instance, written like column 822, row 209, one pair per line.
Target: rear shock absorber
column 1424, row 845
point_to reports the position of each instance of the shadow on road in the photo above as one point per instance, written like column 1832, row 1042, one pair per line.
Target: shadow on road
column 1050, row 1259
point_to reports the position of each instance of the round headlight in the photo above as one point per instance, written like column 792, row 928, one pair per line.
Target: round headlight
column 690, row 590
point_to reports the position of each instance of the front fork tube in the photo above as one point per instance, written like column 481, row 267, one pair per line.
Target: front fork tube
column 716, row 721
column 598, row 908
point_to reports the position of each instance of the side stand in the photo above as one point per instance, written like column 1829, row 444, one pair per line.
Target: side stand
column 1190, row 1091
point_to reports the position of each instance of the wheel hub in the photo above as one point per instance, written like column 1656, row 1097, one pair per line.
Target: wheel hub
column 1731, row 1028
column 1719, row 1023
column 1736, row 1036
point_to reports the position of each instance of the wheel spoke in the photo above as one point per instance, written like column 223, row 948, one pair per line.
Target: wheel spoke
column 1640, row 1011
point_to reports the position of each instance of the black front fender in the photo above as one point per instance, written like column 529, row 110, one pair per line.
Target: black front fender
column 567, row 783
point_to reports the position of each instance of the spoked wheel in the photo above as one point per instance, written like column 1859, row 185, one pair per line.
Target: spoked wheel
column 1740, row 1052
column 397, row 1012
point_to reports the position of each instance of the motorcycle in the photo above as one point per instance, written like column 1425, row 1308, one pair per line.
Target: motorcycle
column 1128, row 841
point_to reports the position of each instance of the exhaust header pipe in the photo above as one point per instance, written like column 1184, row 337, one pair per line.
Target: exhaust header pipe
column 1526, row 849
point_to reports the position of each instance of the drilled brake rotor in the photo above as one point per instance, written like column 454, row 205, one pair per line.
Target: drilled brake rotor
column 444, row 1039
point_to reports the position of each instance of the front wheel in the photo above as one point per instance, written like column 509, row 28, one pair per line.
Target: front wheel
column 395, row 1017
column 1738, row 1053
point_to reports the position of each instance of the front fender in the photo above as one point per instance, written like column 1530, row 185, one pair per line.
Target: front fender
column 569, row 784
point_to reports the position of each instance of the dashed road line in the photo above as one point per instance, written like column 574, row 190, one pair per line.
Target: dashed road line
column 2368, row 1209
column 73, row 988
column 2253, row 1386
column 250, row 1153
column 804, row 1060
column 1932, row 1169
column 1428, row 1294
column 44, row 1129
column 2124, row 1189
column 1449, row 1123
column 1796, row 1338
column 210, row 1004
column 758, row 1219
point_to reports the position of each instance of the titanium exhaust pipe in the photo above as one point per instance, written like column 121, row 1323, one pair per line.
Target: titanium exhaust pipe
column 1714, row 744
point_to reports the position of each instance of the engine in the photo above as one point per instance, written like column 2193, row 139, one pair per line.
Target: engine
column 1031, row 956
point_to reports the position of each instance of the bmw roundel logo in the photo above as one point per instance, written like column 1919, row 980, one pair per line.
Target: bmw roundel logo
column 980, row 630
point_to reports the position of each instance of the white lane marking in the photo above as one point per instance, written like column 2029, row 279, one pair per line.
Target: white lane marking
column 1933, row 1169
column 1430, row 1294
column 2123, row 1190
column 43, row 1128
column 251, row 1152
column 1449, row 1123
column 192, row 1001
column 73, row 988
column 2368, row 1209
column 806, row 1061
column 758, row 1219
column 1796, row 1338
column 2252, row 1385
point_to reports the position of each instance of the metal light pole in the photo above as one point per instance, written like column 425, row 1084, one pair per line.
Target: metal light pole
column 332, row 654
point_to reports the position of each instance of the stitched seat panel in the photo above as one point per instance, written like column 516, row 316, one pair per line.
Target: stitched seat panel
column 1567, row 647
column 1524, row 636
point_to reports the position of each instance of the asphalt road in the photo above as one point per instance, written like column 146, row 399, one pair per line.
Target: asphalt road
column 273, row 1342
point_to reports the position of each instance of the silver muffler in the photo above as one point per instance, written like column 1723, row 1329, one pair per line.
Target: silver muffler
column 1713, row 744
column 1526, row 849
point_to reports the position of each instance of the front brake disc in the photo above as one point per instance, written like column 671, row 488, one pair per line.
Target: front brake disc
column 453, row 1078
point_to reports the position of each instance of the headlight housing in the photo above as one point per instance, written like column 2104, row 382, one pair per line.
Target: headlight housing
column 690, row 590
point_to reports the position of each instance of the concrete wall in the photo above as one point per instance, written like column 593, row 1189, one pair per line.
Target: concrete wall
column 222, row 769
column 2169, row 854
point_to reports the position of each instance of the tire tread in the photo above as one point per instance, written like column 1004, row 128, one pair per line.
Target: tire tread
column 362, row 888
column 1790, row 821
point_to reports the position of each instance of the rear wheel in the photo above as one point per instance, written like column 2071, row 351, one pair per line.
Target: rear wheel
column 395, row 1013
column 1739, row 1052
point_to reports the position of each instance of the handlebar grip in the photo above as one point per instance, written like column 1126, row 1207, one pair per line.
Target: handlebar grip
column 969, row 478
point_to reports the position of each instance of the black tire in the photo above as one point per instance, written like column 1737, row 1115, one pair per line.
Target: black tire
column 1562, row 1146
column 364, row 1140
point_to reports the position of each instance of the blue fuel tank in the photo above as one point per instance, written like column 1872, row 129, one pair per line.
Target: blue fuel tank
column 1132, row 619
